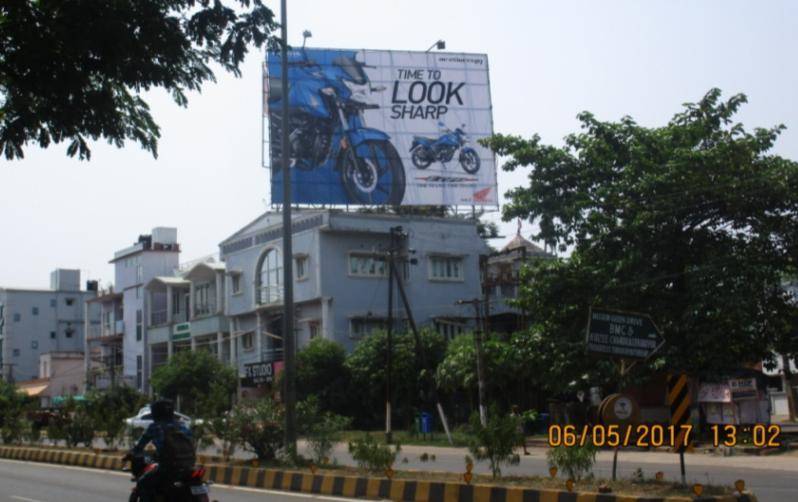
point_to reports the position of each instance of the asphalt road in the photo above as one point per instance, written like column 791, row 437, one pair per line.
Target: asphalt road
column 32, row 482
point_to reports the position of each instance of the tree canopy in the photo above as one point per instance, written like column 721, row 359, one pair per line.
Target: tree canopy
column 694, row 222
column 72, row 71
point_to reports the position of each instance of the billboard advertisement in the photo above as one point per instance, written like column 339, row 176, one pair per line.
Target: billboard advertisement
column 382, row 127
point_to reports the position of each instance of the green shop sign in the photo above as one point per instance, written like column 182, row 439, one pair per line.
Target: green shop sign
column 181, row 331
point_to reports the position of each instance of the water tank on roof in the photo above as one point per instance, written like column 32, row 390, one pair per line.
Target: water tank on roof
column 164, row 235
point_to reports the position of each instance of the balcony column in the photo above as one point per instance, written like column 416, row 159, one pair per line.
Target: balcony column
column 169, row 346
column 168, row 304
column 219, row 299
column 219, row 345
column 190, row 313
column 258, row 338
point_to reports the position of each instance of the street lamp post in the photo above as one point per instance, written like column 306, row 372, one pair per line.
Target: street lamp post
column 289, row 348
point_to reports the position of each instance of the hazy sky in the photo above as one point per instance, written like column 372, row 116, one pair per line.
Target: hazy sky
column 549, row 60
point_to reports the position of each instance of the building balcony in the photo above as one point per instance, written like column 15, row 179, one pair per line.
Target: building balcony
column 205, row 309
column 116, row 328
column 270, row 295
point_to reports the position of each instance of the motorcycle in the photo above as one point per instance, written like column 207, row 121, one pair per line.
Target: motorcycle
column 327, row 128
column 424, row 151
column 188, row 488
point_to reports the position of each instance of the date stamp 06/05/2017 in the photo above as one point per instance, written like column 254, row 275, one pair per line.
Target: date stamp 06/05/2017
column 658, row 435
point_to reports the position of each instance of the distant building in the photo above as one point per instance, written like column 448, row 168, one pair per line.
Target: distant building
column 155, row 254
column 502, row 280
column 60, row 375
column 39, row 321
column 104, row 340
column 234, row 308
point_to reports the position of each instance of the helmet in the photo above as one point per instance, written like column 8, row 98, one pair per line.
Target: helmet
column 163, row 410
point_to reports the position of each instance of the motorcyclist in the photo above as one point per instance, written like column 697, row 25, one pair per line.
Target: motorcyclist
column 164, row 423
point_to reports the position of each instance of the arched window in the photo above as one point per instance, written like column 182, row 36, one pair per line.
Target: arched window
column 269, row 277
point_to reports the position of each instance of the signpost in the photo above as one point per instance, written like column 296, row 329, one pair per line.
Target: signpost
column 679, row 401
column 624, row 335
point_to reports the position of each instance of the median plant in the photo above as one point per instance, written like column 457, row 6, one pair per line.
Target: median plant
column 320, row 429
column 576, row 461
column 371, row 455
column 495, row 441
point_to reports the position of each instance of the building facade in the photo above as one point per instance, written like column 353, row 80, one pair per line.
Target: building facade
column 38, row 321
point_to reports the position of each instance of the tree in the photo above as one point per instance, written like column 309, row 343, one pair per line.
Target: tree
column 692, row 222
column 109, row 408
column 72, row 71
column 366, row 364
column 496, row 440
column 204, row 384
column 14, row 406
column 321, row 372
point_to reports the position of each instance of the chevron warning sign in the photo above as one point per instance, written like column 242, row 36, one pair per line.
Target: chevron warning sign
column 679, row 401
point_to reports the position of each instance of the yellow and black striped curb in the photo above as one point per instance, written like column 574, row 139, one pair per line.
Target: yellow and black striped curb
column 358, row 487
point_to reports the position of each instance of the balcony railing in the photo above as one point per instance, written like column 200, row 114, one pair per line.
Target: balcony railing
column 205, row 308
column 270, row 294
column 158, row 317
column 100, row 330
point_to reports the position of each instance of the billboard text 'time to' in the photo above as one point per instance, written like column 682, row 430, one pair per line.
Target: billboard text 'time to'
column 383, row 127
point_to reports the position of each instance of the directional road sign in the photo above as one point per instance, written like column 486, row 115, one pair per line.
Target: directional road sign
column 622, row 334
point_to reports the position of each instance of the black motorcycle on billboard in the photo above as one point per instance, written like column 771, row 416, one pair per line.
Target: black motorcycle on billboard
column 424, row 150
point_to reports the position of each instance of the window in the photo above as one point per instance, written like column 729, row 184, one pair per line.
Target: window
column 139, row 273
column 367, row 265
column 138, row 292
column 247, row 341
column 52, row 302
column 363, row 326
column 17, row 317
column 315, row 329
column 446, row 268
column 139, row 371
column 35, row 311
column 449, row 329
column 270, row 270
column 69, row 302
column 138, row 325
column 175, row 302
column 52, row 335
column 301, row 262
column 202, row 303
column 69, row 331
column 15, row 352
column 235, row 283
column 34, row 344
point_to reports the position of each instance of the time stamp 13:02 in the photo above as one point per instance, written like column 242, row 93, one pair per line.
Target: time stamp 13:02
column 657, row 435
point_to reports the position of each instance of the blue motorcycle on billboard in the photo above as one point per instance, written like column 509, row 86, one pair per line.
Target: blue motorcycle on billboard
column 424, row 151
column 327, row 134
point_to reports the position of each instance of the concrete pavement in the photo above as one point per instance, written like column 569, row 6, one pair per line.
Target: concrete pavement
column 35, row 482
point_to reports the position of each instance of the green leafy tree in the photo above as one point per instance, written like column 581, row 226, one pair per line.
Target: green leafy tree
column 261, row 426
column 204, row 384
column 72, row 423
column 495, row 441
column 693, row 222
column 320, row 428
column 73, row 71
column 14, row 406
column 372, row 455
column 576, row 461
column 321, row 372
column 109, row 408
column 410, row 381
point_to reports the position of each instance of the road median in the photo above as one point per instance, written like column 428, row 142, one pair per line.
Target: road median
column 367, row 487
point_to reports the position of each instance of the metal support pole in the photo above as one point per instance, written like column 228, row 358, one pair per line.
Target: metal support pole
column 289, row 347
column 389, row 355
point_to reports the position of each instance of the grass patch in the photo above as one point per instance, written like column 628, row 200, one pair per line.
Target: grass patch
column 460, row 438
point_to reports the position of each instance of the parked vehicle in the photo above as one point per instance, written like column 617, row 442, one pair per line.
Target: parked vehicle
column 143, row 419
column 327, row 130
column 188, row 488
column 424, row 150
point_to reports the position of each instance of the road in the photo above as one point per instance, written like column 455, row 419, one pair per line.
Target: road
column 32, row 482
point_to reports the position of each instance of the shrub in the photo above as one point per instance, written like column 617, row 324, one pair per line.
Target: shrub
column 72, row 423
column 260, row 427
column 495, row 441
column 575, row 461
column 204, row 384
column 13, row 408
column 321, row 429
column 108, row 410
column 372, row 455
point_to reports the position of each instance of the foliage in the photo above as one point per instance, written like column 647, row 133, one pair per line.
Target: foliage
column 72, row 71
column 496, row 440
column 576, row 461
column 321, row 428
column 321, row 372
column 109, row 408
column 692, row 222
column 13, row 408
column 260, row 425
column 205, row 385
column 227, row 431
column 410, row 381
column 72, row 423
column 371, row 455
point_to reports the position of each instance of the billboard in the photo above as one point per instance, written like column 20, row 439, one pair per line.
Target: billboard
column 382, row 127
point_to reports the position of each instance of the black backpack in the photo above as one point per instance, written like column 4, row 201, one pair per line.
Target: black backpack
column 178, row 449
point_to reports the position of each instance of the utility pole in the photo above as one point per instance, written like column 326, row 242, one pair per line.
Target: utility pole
column 483, row 414
column 289, row 347
column 420, row 352
column 389, row 356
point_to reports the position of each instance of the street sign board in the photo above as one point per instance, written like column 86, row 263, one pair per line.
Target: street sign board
column 256, row 374
column 743, row 388
column 622, row 334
